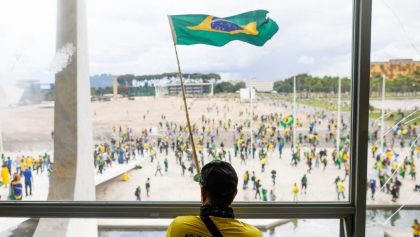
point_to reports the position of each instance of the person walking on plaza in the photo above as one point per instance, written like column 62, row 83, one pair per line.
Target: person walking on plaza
column 336, row 180
column 9, row 165
column 253, row 179
column 158, row 169
column 257, row 189
column 263, row 164
column 340, row 188
column 304, row 183
column 295, row 192
column 28, row 180
column 183, row 167
column 272, row 195
column 372, row 185
column 394, row 193
column 273, row 176
column 245, row 176
column 416, row 228
column 5, row 176
column 148, row 187
column 16, row 187
column 165, row 163
column 137, row 193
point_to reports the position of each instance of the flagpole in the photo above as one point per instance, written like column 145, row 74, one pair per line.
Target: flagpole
column 383, row 114
column 186, row 112
column 338, row 116
column 294, row 113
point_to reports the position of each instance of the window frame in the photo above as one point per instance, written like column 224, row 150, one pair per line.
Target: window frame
column 352, row 214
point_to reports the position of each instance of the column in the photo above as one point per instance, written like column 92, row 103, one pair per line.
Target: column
column 73, row 175
column 115, row 87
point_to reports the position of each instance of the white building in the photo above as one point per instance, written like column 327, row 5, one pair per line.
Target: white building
column 260, row 86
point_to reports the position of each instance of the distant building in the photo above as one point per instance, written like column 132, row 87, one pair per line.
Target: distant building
column 34, row 92
column 260, row 86
column 190, row 89
column 394, row 68
column 247, row 94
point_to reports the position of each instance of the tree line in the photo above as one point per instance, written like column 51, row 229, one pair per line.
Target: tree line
column 310, row 84
column 328, row 84
column 399, row 84
column 304, row 83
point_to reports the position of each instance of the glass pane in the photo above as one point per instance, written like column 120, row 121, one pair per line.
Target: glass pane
column 394, row 116
column 132, row 43
column 222, row 121
column 27, row 66
column 379, row 222
column 394, row 149
column 157, row 227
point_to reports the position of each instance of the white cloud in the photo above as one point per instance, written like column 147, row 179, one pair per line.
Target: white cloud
column 306, row 60
column 133, row 36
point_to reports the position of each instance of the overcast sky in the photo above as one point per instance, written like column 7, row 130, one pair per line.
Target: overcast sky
column 133, row 36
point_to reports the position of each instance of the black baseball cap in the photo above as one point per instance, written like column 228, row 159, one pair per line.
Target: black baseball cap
column 219, row 178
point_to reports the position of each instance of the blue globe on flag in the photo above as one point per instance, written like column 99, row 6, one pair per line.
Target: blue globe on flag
column 224, row 25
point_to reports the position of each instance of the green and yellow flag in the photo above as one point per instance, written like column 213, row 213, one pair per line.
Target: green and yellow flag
column 251, row 27
column 287, row 121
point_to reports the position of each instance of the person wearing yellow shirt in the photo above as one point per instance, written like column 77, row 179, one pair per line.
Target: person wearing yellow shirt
column 416, row 228
column 389, row 154
column 218, row 183
column 340, row 189
column 295, row 191
column 263, row 163
column 271, row 147
column 245, row 177
column 5, row 176
column 199, row 148
column 23, row 165
column 29, row 161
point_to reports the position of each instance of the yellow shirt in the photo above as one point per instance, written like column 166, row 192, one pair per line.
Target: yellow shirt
column 29, row 161
column 194, row 226
column 295, row 190
column 416, row 229
column 5, row 175
column 340, row 186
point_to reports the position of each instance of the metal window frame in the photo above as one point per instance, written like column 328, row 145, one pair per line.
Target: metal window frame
column 352, row 214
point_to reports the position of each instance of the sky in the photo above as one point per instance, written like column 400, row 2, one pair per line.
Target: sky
column 133, row 36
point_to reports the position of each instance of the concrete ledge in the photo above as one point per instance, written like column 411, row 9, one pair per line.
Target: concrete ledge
column 397, row 233
column 162, row 224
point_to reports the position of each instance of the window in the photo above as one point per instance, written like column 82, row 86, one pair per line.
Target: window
column 73, row 180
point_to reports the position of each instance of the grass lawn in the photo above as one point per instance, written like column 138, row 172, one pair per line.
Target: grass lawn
column 325, row 104
column 395, row 117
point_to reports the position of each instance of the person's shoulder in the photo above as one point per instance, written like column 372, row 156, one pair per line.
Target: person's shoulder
column 250, row 230
column 184, row 224
column 182, row 220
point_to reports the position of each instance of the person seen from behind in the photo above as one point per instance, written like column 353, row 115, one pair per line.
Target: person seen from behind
column 218, row 184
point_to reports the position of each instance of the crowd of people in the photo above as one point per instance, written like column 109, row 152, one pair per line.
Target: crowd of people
column 310, row 140
column 229, row 139
column 17, row 174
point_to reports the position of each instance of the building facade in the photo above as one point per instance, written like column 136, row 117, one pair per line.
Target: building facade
column 394, row 68
column 260, row 86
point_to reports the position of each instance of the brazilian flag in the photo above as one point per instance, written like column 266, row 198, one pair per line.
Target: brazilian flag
column 251, row 27
column 287, row 121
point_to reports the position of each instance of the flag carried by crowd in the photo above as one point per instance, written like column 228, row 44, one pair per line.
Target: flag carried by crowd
column 287, row 121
